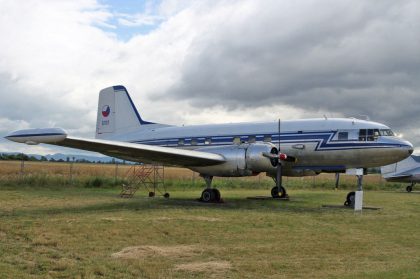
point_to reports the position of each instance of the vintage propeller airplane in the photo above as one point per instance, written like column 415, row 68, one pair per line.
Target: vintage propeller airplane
column 288, row 148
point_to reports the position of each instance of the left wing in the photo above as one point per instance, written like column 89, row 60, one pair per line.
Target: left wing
column 124, row 150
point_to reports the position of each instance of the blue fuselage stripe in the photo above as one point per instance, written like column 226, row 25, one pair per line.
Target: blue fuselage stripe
column 322, row 139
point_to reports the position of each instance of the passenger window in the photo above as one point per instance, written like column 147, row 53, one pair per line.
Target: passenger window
column 207, row 141
column 267, row 138
column 181, row 142
column 343, row 136
column 236, row 140
column 193, row 141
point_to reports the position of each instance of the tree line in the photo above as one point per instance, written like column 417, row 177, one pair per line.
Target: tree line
column 25, row 157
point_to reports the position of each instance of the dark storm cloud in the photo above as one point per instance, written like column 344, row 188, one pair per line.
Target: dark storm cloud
column 354, row 58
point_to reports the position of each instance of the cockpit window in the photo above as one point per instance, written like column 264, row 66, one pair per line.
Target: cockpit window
column 368, row 134
column 386, row 132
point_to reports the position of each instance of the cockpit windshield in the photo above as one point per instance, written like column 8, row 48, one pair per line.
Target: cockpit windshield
column 373, row 134
column 386, row 132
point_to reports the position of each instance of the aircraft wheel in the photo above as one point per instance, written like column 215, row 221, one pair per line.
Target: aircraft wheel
column 166, row 195
column 409, row 188
column 350, row 199
column 217, row 196
column 151, row 194
column 276, row 194
column 207, row 195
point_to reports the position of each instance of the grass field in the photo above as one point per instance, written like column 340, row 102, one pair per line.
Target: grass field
column 69, row 231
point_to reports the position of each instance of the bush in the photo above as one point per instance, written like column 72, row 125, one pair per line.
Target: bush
column 96, row 182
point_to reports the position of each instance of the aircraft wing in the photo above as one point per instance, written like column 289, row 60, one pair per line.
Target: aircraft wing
column 124, row 150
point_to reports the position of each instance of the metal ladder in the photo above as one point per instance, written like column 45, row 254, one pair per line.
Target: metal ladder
column 151, row 177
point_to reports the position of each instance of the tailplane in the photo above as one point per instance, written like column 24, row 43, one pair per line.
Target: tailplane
column 118, row 115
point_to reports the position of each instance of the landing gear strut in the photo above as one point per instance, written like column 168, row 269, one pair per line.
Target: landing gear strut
column 410, row 187
column 210, row 194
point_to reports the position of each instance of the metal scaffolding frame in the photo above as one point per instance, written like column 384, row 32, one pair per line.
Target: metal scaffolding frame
column 151, row 177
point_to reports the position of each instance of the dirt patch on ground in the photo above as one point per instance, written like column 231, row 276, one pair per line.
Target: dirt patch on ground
column 190, row 218
column 136, row 252
column 202, row 218
column 214, row 266
column 112, row 219
column 163, row 218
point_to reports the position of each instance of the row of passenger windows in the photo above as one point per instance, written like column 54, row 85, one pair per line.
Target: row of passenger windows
column 236, row 140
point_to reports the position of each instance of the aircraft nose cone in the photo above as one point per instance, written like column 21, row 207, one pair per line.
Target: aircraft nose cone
column 410, row 151
column 409, row 147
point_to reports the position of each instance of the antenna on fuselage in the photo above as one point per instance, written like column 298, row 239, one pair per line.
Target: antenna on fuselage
column 279, row 133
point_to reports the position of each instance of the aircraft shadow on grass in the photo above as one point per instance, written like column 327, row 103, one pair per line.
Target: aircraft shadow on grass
column 158, row 204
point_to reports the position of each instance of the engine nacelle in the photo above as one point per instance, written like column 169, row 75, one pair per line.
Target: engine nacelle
column 254, row 159
column 241, row 160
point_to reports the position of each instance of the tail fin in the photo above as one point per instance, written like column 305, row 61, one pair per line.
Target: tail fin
column 117, row 113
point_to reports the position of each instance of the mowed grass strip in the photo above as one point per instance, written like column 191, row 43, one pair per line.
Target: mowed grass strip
column 91, row 233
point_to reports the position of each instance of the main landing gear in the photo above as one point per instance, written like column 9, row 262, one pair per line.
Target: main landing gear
column 276, row 194
column 351, row 196
column 278, row 191
column 210, row 194
column 409, row 188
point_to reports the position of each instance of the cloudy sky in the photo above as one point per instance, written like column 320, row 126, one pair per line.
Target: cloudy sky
column 190, row 62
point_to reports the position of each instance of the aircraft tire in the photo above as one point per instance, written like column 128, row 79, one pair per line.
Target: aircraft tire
column 217, row 195
column 350, row 199
column 409, row 188
column 207, row 195
column 276, row 194
column 151, row 194
column 166, row 195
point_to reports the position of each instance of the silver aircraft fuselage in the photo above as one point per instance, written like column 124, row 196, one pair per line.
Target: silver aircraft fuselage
column 320, row 145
